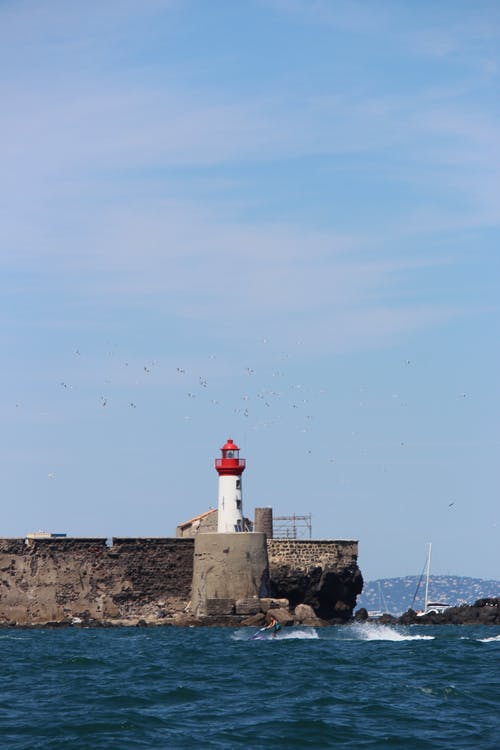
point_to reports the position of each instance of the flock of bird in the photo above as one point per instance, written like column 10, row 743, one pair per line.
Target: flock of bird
column 199, row 385
column 263, row 401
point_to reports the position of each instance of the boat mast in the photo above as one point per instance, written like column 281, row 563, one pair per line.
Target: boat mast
column 382, row 604
column 426, row 600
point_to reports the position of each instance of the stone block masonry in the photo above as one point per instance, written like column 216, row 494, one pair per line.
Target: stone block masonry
column 321, row 573
column 57, row 580
column 308, row 552
column 264, row 521
column 228, row 567
column 153, row 567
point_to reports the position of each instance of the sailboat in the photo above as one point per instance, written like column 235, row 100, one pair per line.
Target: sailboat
column 375, row 614
column 430, row 607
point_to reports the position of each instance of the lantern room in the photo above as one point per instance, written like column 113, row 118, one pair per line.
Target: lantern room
column 230, row 463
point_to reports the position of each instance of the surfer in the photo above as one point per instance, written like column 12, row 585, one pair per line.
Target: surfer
column 273, row 625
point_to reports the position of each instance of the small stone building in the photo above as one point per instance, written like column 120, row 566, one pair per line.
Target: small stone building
column 204, row 522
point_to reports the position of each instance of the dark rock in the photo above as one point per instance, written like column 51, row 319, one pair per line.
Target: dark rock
column 330, row 592
column 491, row 605
column 483, row 612
column 408, row 618
column 304, row 614
column 387, row 619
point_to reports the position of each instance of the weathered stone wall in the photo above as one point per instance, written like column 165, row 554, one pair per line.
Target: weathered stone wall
column 154, row 569
column 48, row 580
column 321, row 573
column 264, row 521
column 228, row 567
column 207, row 522
column 59, row 579
column 307, row 552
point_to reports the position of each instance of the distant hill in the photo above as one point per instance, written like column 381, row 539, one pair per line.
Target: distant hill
column 396, row 594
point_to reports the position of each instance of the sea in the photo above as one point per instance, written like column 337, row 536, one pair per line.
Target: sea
column 362, row 686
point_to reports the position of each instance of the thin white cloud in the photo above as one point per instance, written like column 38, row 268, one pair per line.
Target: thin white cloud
column 52, row 146
column 289, row 282
column 73, row 129
column 81, row 150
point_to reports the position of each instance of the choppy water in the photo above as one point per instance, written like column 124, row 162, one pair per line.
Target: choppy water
column 362, row 686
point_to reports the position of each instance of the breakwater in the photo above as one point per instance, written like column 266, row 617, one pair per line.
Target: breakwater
column 149, row 580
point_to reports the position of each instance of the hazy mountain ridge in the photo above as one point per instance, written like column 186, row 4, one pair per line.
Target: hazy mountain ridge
column 395, row 595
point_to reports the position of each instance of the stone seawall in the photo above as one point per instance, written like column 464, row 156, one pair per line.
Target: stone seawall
column 58, row 580
column 150, row 579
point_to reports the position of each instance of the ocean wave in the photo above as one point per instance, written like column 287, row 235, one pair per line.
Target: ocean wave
column 301, row 634
column 176, row 688
column 373, row 632
column 286, row 634
column 492, row 639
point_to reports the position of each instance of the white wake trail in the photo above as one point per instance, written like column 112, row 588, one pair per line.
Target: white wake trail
column 373, row 632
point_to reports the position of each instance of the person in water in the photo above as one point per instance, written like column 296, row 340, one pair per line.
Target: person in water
column 274, row 626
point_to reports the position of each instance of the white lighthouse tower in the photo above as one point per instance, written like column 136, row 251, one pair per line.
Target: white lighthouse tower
column 230, row 468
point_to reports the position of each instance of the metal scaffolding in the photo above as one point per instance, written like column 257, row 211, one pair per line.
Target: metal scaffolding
column 292, row 527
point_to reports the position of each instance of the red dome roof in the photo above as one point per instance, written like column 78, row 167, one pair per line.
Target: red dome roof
column 230, row 446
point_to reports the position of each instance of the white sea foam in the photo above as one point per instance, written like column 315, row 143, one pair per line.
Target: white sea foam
column 286, row 634
column 301, row 634
column 373, row 632
column 492, row 639
column 241, row 635
column 11, row 637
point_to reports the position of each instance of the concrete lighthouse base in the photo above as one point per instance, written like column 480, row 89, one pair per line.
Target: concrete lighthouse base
column 227, row 568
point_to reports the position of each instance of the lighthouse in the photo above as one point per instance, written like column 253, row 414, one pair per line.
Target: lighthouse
column 230, row 468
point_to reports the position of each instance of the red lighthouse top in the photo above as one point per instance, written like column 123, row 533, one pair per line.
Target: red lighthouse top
column 230, row 463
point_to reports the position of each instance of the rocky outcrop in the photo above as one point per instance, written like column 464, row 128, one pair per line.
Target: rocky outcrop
column 482, row 612
column 323, row 574
column 330, row 593
column 258, row 612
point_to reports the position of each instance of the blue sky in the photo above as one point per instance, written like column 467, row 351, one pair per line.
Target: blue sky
column 275, row 221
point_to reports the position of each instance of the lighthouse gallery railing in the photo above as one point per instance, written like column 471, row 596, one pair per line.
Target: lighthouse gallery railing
column 230, row 463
